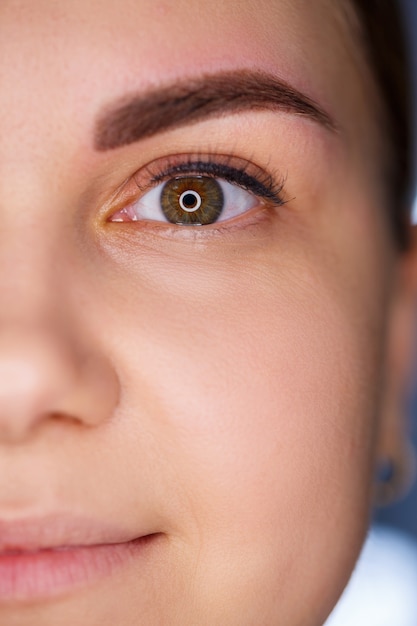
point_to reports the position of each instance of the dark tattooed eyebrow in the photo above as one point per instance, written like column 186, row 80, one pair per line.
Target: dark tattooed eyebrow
column 139, row 116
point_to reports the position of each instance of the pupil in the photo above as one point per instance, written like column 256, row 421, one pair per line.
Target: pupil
column 189, row 200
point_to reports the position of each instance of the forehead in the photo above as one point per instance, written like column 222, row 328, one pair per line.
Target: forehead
column 131, row 43
column 195, row 23
column 61, row 62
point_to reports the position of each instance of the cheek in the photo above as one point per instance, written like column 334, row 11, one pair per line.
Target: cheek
column 256, row 381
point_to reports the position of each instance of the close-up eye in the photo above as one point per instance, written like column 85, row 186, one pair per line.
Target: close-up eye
column 190, row 200
column 199, row 194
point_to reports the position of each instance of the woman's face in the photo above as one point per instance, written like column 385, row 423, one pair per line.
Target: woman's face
column 212, row 388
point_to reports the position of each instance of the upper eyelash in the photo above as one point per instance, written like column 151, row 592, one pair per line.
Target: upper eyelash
column 262, row 185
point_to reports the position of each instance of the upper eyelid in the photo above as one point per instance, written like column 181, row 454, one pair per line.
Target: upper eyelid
column 236, row 170
column 229, row 174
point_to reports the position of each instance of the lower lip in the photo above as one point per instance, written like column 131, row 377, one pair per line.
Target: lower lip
column 51, row 572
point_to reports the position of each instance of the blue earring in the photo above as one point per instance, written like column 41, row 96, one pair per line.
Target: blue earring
column 388, row 481
column 395, row 476
column 385, row 471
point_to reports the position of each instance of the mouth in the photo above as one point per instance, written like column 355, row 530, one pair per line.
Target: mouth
column 49, row 557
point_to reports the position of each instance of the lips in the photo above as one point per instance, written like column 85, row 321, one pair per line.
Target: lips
column 57, row 531
column 46, row 557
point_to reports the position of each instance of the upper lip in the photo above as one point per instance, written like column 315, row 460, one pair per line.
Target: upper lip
column 58, row 531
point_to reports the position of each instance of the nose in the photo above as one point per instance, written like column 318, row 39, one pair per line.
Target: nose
column 44, row 378
column 54, row 368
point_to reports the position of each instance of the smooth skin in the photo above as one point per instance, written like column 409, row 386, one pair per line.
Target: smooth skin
column 221, row 386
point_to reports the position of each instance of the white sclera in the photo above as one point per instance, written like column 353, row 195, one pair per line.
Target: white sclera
column 236, row 202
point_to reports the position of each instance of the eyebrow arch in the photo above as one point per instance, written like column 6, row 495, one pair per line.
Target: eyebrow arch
column 136, row 117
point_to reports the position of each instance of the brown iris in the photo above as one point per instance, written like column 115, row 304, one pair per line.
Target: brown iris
column 192, row 200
